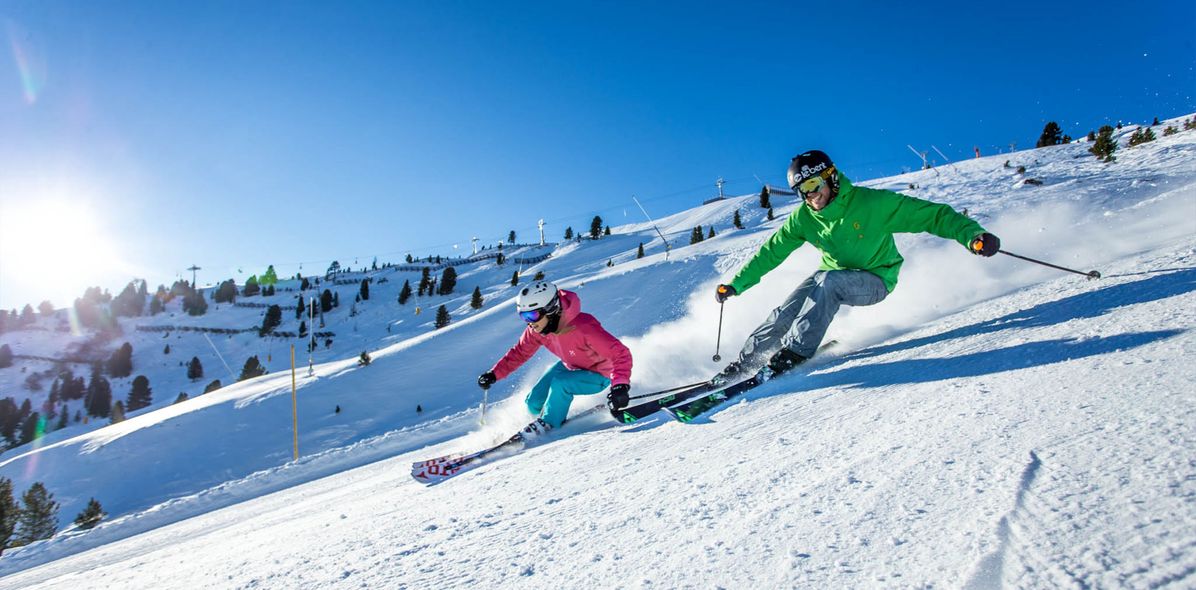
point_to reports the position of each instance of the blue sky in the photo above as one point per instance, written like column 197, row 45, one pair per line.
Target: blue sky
column 233, row 135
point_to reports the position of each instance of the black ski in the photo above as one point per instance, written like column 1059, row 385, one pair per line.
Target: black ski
column 630, row 414
column 686, row 412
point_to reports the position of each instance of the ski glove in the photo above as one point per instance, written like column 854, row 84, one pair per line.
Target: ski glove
column 617, row 398
column 986, row 244
column 485, row 380
column 724, row 292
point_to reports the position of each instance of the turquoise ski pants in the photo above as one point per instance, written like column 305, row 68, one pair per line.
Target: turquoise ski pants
column 553, row 394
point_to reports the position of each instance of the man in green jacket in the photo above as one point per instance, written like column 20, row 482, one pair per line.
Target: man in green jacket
column 853, row 227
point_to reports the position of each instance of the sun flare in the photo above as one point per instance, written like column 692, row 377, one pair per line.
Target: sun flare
column 56, row 248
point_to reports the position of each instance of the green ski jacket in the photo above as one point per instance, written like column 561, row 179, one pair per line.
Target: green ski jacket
column 855, row 232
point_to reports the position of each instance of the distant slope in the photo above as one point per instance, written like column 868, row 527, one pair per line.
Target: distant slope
column 845, row 477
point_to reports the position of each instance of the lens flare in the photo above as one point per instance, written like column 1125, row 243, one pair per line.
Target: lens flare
column 39, row 432
column 30, row 67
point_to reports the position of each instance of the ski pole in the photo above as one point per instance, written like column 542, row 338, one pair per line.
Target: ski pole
column 1092, row 274
column 719, row 340
column 673, row 390
column 485, row 395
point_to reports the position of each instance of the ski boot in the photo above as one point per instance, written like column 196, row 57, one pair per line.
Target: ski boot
column 537, row 428
column 783, row 361
column 733, row 372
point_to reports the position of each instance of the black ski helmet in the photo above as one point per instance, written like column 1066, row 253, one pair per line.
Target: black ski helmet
column 809, row 164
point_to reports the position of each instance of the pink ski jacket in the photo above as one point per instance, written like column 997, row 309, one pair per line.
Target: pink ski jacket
column 580, row 342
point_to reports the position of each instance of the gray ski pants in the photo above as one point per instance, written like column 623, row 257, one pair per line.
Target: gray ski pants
column 801, row 321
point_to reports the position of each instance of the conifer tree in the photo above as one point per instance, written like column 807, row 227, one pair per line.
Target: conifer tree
column 253, row 368
column 194, row 303
column 640, row 252
column 181, row 398
column 99, row 396
column 10, row 419
column 770, row 215
column 365, row 290
column 213, row 386
column 596, row 227
column 9, row 512
column 569, row 233
column 251, row 287
column 38, row 517
column 269, row 278
column 326, row 301
column 5, row 356
column 1105, row 146
column 442, row 317
column 405, row 293
column 130, row 302
column 606, row 232
column 303, row 329
column 364, row 360
column 475, row 301
column 226, row 292
column 141, row 395
column 695, row 235
column 272, row 320
column 47, row 309
column 90, row 516
column 511, row 237
column 711, row 234
column 448, row 281
column 32, row 429
column 765, row 200
column 425, row 281
column 120, row 364
column 1141, row 136
column 1051, row 135
column 515, row 278
column 194, row 369
column 736, row 221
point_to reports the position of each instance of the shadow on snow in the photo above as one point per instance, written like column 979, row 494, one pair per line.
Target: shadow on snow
column 1032, row 354
column 1085, row 305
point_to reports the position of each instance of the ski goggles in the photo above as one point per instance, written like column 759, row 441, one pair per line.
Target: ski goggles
column 532, row 316
column 815, row 183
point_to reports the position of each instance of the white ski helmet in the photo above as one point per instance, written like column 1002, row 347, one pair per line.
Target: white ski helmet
column 540, row 295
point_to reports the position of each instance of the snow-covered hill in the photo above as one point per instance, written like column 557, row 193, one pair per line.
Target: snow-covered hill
column 992, row 424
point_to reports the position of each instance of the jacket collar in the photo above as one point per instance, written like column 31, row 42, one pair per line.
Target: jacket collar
column 838, row 207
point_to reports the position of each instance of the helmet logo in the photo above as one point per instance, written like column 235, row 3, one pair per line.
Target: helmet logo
column 808, row 171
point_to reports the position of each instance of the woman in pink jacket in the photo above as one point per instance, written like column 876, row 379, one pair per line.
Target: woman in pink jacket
column 591, row 359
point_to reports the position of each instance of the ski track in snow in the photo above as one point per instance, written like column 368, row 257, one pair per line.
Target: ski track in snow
column 1031, row 430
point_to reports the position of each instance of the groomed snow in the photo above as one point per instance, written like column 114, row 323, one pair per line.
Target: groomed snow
column 992, row 424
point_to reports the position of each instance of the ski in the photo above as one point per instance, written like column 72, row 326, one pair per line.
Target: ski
column 686, row 412
column 432, row 471
column 630, row 414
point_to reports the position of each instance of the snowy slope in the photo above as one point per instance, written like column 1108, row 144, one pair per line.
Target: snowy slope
column 992, row 424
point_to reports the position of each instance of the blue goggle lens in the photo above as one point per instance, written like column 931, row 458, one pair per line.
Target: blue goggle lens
column 531, row 316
